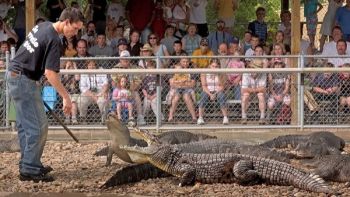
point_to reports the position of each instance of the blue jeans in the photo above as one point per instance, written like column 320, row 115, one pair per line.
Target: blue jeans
column 31, row 121
column 220, row 97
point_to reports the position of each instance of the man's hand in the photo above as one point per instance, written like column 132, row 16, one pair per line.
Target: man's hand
column 67, row 105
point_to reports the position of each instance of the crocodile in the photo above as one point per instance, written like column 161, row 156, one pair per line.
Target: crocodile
column 120, row 135
column 11, row 145
column 309, row 146
column 225, row 168
column 136, row 173
column 332, row 167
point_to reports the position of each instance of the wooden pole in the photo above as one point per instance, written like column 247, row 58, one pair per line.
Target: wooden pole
column 295, row 49
column 30, row 15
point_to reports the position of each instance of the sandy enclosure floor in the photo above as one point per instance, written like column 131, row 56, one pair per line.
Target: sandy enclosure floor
column 77, row 170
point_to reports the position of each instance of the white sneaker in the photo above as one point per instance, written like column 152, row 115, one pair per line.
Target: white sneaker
column 200, row 121
column 225, row 121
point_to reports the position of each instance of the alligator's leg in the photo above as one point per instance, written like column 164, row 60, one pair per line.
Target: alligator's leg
column 327, row 172
column 109, row 156
column 243, row 171
column 189, row 175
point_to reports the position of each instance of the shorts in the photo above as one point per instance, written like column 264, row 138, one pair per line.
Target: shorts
column 184, row 90
column 124, row 104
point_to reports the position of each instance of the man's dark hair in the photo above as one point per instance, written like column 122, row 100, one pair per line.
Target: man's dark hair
column 337, row 27
column 260, row 9
column 72, row 14
column 83, row 40
column 177, row 42
column 255, row 36
column 344, row 41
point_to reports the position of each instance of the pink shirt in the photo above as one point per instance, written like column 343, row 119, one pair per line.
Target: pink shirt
column 234, row 63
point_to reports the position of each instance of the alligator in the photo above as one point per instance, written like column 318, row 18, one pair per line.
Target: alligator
column 225, row 168
column 120, row 135
column 331, row 167
column 11, row 145
column 136, row 173
column 309, row 146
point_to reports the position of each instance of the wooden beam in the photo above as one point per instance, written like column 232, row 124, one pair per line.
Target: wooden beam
column 295, row 49
column 30, row 15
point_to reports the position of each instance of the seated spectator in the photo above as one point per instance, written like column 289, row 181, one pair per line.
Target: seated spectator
column 223, row 51
column 122, row 96
column 4, row 47
column 6, row 32
column 2, row 64
column 330, row 48
column 341, row 51
column 82, row 52
column 279, row 86
column 111, row 33
column 121, row 46
column 135, row 45
column 71, row 83
column 203, row 50
column 178, row 51
column 159, row 50
column 259, row 27
column 344, row 92
column 182, row 87
column 146, row 51
column 325, row 86
column 278, row 50
column 135, row 83
column 219, row 36
column 213, row 86
column 245, row 44
column 116, row 12
column 234, row 47
column 234, row 79
column 279, row 39
column 101, row 48
column 90, row 35
column 254, row 42
column 254, row 84
column 69, row 46
column 286, row 26
column 169, row 38
column 94, row 89
column 149, row 90
column 191, row 40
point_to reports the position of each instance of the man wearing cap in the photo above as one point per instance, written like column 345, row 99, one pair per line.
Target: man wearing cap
column 101, row 48
column 121, row 46
column 203, row 50
column 146, row 51
column 135, row 83
column 219, row 36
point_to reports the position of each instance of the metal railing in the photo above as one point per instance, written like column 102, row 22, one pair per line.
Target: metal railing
column 179, row 106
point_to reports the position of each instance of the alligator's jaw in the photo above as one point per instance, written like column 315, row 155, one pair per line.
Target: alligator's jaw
column 139, row 154
column 147, row 136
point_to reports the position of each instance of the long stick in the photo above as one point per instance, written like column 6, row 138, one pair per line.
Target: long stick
column 60, row 121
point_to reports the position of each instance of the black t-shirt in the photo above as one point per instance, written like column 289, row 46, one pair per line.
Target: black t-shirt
column 41, row 50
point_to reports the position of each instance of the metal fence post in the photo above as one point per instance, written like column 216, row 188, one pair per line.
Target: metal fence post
column 7, row 97
column 301, row 92
column 159, row 97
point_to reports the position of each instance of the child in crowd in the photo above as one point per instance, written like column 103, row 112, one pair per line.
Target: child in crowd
column 310, row 13
column 122, row 95
column 245, row 44
column 148, row 86
column 286, row 26
column 182, row 78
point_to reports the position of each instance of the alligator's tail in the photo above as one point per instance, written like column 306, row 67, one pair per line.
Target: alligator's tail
column 285, row 141
column 102, row 152
column 134, row 173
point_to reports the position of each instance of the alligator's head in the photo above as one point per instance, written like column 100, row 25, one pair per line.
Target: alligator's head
column 147, row 136
column 311, row 150
column 161, row 156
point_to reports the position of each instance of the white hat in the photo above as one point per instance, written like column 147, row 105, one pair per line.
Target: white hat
column 125, row 53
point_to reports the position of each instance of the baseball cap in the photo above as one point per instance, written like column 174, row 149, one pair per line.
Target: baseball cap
column 235, row 40
column 122, row 41
column 204, row 41
column 125, row 53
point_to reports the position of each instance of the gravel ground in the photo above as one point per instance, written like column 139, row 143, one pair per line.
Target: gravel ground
column 77, row 171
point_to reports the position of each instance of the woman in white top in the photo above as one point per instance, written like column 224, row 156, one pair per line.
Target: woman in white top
column 213, row 86
column 181, row 16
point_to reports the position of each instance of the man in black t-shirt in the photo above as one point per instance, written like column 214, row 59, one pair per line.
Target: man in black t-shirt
column 38, row 55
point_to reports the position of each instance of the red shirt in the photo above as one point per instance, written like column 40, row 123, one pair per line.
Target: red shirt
column 140, row 13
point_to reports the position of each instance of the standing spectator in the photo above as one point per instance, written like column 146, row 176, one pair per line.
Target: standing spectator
column 254, row 83
column 329, row 20
column 226, row 12
column 310, row 13
column 82, row 52
column 122, row 95
column 71, row 83
column 286, row 26
column 198, row 16
column 101, row 48
column 168, row 6
column 159, row 50
column 149, row 90
column 259, row 27
column 213, row 89
column 181, row 16
column 330, row 48
column 94, row 89
column 134, row 46
column 55, row 8
column 203, row 50
column 279, row 86
column 169, row 38
column 157, row 22
column 5, row 5
column 133, row 10
column 19, row 25
column 98, row 8
column 90, row 35
column 342, row 19
column 116, row 12
column 191, row 40
column 6, row 32
column 219, row 36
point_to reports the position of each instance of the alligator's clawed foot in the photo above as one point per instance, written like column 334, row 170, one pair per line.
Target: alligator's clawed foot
column 195, row 187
